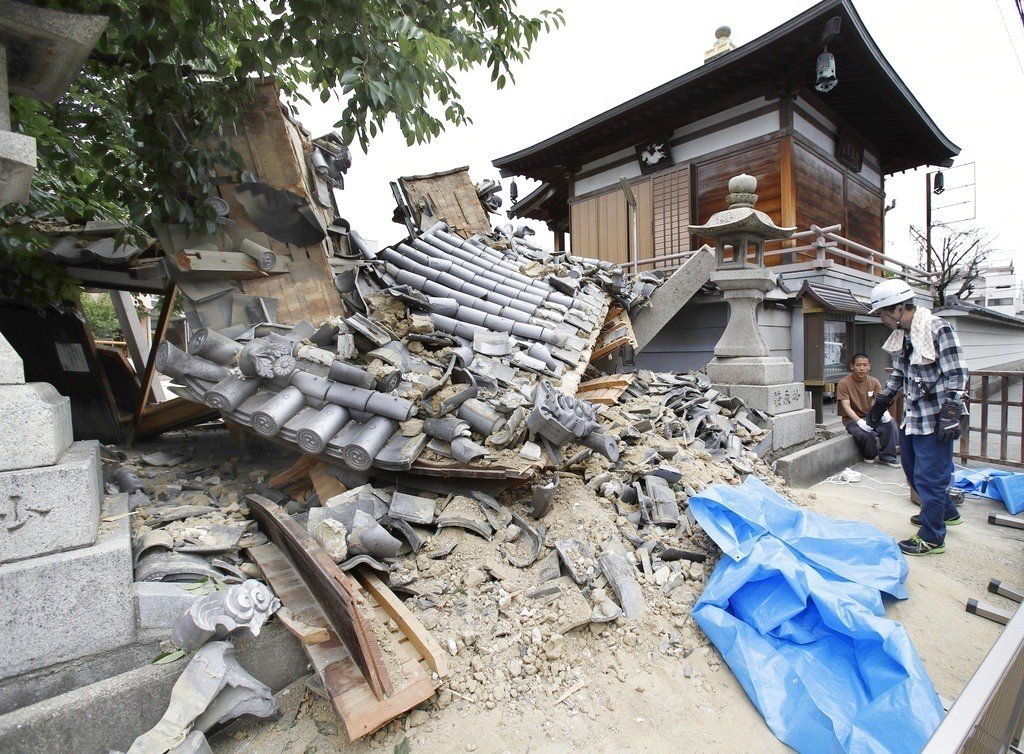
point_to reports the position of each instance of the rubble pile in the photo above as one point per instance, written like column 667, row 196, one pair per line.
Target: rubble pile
column 450, row 352
column 460, row 358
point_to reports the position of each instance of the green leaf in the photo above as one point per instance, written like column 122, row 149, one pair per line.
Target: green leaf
column 168, row 657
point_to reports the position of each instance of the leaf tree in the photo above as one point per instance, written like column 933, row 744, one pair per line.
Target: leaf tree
column 141, row 132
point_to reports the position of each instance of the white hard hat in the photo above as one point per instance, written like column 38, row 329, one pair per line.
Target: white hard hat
column 889, row 293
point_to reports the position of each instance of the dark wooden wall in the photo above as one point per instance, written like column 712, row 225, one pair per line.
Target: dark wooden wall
column 761, row 161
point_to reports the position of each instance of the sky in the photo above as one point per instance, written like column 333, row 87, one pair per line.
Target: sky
column 964, row 61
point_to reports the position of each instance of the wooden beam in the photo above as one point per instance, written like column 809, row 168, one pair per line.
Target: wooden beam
column 147, row 374
column 788, row 180
column 131, row 328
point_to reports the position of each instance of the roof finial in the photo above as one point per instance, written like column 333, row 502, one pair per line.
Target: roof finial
column 722, row 45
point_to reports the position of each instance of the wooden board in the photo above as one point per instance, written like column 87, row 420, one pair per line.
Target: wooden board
column 173, row 414
column 617, row 332
column 452, row 197
column 326, row 484
column 361, row 712
column 334, row 590
column 605, row 390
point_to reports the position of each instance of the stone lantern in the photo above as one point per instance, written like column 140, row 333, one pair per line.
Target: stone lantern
column 742, row 365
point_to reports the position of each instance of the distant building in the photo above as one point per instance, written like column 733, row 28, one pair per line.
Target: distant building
column 998, row 289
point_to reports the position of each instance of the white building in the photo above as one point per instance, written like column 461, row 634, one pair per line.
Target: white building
column 998, row 289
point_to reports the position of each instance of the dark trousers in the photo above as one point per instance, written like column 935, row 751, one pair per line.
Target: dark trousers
column 881, row 442
column 927, row 463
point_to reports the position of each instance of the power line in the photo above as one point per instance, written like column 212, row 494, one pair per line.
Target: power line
column 1006, row 26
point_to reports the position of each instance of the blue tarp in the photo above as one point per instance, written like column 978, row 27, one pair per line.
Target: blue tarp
column 1005, row 486
column 796, row 609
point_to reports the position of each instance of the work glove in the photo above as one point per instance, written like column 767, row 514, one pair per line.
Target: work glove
column 886, row 417
column 948, row 426
column 874, row 415
column 865, row 426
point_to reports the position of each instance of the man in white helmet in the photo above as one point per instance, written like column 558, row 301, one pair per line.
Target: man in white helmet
column 928, row 365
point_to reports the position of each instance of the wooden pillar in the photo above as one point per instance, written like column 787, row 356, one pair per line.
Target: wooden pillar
column 559, row 239
column 787, row 176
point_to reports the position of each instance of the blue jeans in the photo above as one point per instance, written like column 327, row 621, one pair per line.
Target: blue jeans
column 926, row 462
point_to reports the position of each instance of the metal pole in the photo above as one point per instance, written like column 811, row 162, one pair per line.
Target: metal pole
column 928, row 221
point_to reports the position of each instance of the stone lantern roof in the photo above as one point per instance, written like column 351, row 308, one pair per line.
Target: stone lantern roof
column 741, row 219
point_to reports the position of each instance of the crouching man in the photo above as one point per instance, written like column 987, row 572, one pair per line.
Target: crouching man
column 928, row 364
column 856, row 393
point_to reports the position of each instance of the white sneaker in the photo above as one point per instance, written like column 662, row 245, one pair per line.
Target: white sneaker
column 870, row 460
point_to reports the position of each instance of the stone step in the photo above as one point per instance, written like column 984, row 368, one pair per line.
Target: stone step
column 809, row 466
column 66, row 605
column 51, row 508
column 36, row 425
column 792, row 428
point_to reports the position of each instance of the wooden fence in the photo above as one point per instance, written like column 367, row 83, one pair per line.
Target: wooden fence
column 991, row 393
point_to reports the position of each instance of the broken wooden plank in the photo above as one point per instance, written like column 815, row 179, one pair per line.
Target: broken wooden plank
column 293, row 473
column 173, row 414
column 303, row 631
column 361, row 712
column 326, row 484
column 334, row 589
column 407, row 622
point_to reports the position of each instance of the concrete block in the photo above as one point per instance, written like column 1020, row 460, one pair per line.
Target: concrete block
column 792, row 428
column 52, row 46
column 672, row 296
column 35, row 425
column 809, row 466
column 66, row 605
column 772, row 399
column 46, row 683
column 51, row 508
column 110, row 714
column 750, row 370
column 159, row 605
column 17, row 165
column 12, row 368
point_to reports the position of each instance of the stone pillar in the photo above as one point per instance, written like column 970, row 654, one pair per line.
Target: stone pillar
column 65, row 576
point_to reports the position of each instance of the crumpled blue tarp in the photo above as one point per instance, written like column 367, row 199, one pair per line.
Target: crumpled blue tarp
column 1005, row 486
column 796, row 610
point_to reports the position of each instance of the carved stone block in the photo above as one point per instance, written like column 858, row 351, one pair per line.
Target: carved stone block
column 35, row 425
column 69, row 604
column 51, row 508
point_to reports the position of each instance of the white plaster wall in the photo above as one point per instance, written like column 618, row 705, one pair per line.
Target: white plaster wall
column 758, row 126
column 811, row 130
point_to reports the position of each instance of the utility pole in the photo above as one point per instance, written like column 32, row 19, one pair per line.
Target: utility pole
column 928, row 221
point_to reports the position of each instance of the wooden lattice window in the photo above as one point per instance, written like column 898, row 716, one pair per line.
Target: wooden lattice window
column 671, row 195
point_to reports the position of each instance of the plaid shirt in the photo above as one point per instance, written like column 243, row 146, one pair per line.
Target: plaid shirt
column 927, row 386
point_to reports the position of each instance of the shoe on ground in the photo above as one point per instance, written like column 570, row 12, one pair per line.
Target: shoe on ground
column 955, row 521
column 917, row 546
column 891, row 462
column 870, row 460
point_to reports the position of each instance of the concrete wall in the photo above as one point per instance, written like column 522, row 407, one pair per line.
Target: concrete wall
column 688, row 341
